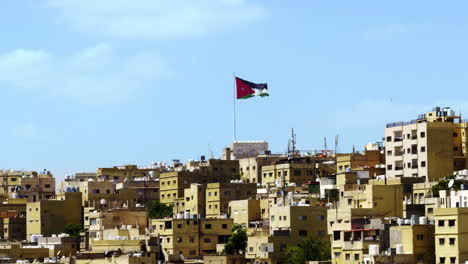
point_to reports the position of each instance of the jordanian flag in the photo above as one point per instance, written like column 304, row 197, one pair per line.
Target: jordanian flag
column 246, row 89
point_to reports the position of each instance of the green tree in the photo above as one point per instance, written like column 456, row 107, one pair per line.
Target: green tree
column 73, row 230
column 237, row 242
column 158, row 210
column 309, row 250
column 443, row 185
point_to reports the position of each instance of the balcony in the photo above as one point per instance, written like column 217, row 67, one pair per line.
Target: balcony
column 397, row 168
column 399, row 153
column 398, row 139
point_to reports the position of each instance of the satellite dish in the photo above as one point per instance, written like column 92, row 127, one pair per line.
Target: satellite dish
column 451, row 182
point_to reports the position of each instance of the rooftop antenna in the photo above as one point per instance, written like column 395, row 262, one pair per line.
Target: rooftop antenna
column 325, row 143
column 293, row 140
column 336, row 143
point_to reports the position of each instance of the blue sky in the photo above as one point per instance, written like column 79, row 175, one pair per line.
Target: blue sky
column 87, row 84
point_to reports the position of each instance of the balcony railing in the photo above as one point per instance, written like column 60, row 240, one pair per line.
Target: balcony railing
column 395, row 124
column 399, row 168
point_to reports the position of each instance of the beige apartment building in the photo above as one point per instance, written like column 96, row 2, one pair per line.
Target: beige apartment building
column 251, row 168
column 130, row 172
column 29, row 185
column 193, row 238
column 432, row 146
column 193, row 202
column 218, row 196
column 49, row 217
column 451, row 235
column 353, row 161
column 98, row 221
column 246, row 212
column 301, row 221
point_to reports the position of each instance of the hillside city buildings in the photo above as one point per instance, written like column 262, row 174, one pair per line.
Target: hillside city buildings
column 403, row 200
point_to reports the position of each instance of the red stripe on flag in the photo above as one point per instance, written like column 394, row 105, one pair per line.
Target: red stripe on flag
column 243, row 89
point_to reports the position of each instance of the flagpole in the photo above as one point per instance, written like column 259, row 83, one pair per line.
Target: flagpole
column 234, row 107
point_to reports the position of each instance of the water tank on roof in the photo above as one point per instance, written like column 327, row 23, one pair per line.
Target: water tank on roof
column 399, row 249
column 423, row 220
column 373, row 250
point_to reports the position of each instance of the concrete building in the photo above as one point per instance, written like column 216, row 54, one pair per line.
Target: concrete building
column 246, row 212
column 14, row 228
column 30, row 185
column 416, row 240
column 49, row 217
column 129, row 172
column 115, row 257
column 432, row 146
column 302, row 221
column 248, row 149
column 451, row 234
column 251, row 168
column 224, row 259
column 218, row 196
column 146, row 189
column 353, row 161
column 122, row 218
column 191, row 238
column 102, row 194
column 287, row 173
column 194, row 201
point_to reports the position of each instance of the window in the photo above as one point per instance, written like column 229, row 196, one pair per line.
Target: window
column 347, row 256
column 389, row 139
column 423, row 149
column 452, row 241
column 389, row 167
column 191, row 239
column 207, row 226
column 272, row 218
column 207, row 240
column 423, row 164
column 302, row 217
column 179, row 225
column 350, row 201
column 297, row 173
column 284, row 218
column 215, row 193
column 192, row 252
column 280, row 218
column 320, row 217
column 441, row 223
column 453, row 260
column 224, row 226
column 250, row 249
column 302, row 232
column 455, row 134
column 389, row 152
column 13, row 179
column 337, row 254
column 47, row 185
column 441, row 241
column 209, row 193
column 419, row 237
column 179, row 239
column 423, row 134
column 451, row 222
column 430, row 210
column 356, row 256
column 442, row 260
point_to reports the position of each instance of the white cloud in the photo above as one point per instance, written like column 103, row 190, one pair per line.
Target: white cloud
column 93, row 75
column 157, row 19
